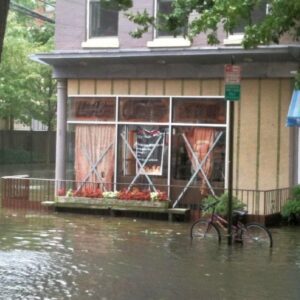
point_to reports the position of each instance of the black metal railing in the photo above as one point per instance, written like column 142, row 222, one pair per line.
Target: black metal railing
column 30, row 193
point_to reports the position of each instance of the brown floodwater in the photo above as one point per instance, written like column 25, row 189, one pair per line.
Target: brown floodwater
column 73, row 256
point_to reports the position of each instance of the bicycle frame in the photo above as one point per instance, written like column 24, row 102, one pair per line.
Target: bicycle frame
column 250, row 233
column 223, row 224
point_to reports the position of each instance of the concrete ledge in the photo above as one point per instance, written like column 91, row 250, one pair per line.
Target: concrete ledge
column 48, row 203
column 175, row 212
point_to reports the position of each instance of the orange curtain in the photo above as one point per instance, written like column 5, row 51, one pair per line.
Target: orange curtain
column 201, row 140
column 90, row 143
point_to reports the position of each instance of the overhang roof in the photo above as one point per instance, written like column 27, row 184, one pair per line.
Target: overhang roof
column 67, row 62
column 207, row 55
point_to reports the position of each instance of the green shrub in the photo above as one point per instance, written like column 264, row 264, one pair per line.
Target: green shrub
column 222, row 206
column 296, row 192
column 291, row 207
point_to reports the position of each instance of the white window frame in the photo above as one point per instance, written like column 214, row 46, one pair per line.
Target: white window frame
column 97, row 42
column 170, row 124
column 166, row 41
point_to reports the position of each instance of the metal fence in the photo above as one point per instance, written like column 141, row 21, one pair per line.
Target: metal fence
column 20, row 192
column 29, row 193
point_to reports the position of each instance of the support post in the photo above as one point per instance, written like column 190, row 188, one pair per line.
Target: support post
column 61, row 130
column 230, row 170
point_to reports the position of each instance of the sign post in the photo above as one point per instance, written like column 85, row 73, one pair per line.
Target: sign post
column 232, row 94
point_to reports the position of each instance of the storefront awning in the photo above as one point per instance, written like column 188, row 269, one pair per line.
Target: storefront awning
column 293, row 117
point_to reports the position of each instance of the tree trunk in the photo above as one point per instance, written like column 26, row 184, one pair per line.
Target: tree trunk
column 4, row 4
column 48, row 144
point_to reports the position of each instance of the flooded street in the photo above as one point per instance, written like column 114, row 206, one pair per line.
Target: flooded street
column 62, row 256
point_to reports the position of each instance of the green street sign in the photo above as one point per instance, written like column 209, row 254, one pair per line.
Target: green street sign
column 232, row 92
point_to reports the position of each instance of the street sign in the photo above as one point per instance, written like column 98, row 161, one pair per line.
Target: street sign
column 232, row 82
column 232, row 92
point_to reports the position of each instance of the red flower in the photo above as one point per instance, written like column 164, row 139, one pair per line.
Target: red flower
column 61, row 192
column 134, row 194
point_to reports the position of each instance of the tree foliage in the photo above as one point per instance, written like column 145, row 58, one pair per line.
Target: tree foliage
column 4, row 4
column 27, row 90
column 208, row 16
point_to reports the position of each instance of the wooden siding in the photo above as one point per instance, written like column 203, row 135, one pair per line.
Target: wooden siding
column 262, row 147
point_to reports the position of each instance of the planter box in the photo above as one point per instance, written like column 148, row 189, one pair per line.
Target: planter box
column 109, row 203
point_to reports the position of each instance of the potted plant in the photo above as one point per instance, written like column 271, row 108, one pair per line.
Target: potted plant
column 222, row 206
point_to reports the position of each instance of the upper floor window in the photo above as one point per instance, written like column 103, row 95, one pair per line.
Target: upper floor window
column 163, row 37
column 257, row 15
column 164, row 8
column 103, row 19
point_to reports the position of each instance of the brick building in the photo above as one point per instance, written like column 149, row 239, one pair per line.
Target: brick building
column 115, row 91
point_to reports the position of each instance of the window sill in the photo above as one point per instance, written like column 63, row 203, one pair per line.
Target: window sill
column 234, row 40
column 103, row 42
column 169, row 42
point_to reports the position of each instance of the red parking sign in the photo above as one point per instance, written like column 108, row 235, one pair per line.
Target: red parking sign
column 232, row 74
column 232, row 82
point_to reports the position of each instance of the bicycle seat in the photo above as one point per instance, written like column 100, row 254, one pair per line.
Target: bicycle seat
column 240, row 212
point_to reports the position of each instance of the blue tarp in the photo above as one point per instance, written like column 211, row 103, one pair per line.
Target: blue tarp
column 293, row 117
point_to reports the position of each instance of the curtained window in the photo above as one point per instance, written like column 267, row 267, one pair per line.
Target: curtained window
column 201, row 140
column 94, row 154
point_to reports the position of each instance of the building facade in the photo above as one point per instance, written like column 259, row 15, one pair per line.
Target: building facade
column 151, row 112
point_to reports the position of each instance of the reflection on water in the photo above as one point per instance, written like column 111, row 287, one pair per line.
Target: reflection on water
column 64, row 256
column 32, row 170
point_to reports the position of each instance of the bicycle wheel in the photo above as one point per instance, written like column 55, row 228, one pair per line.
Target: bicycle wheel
column 257, row 234
column 205, row 230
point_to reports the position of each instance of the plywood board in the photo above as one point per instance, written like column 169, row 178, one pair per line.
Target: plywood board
column 87, row 87
column 73, row 86
column 268, row 134
column 138, row 87
column 104, row 87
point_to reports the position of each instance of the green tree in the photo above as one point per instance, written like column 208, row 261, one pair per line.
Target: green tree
column 207, row 16
column 4, row 4
column 14, row 70
column 27, row 90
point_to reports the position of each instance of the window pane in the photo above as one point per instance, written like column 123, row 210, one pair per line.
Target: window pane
column 129, row 151
column 165, row 7
column 92, row 109
column 257, row 15
column 211, row 111
column 144, row 109
column 192, row 146
column 103, row 20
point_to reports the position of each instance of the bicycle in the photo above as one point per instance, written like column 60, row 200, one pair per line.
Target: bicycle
column 250, row 233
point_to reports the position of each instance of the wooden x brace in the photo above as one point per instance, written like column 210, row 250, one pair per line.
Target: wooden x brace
column 139, row 163
column 199, row 167
column 93, row 167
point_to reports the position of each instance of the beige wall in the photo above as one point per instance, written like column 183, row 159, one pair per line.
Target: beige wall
column 262, row 145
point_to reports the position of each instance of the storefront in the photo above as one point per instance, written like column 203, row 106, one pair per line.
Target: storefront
column 157, row 120
column 165, row 143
